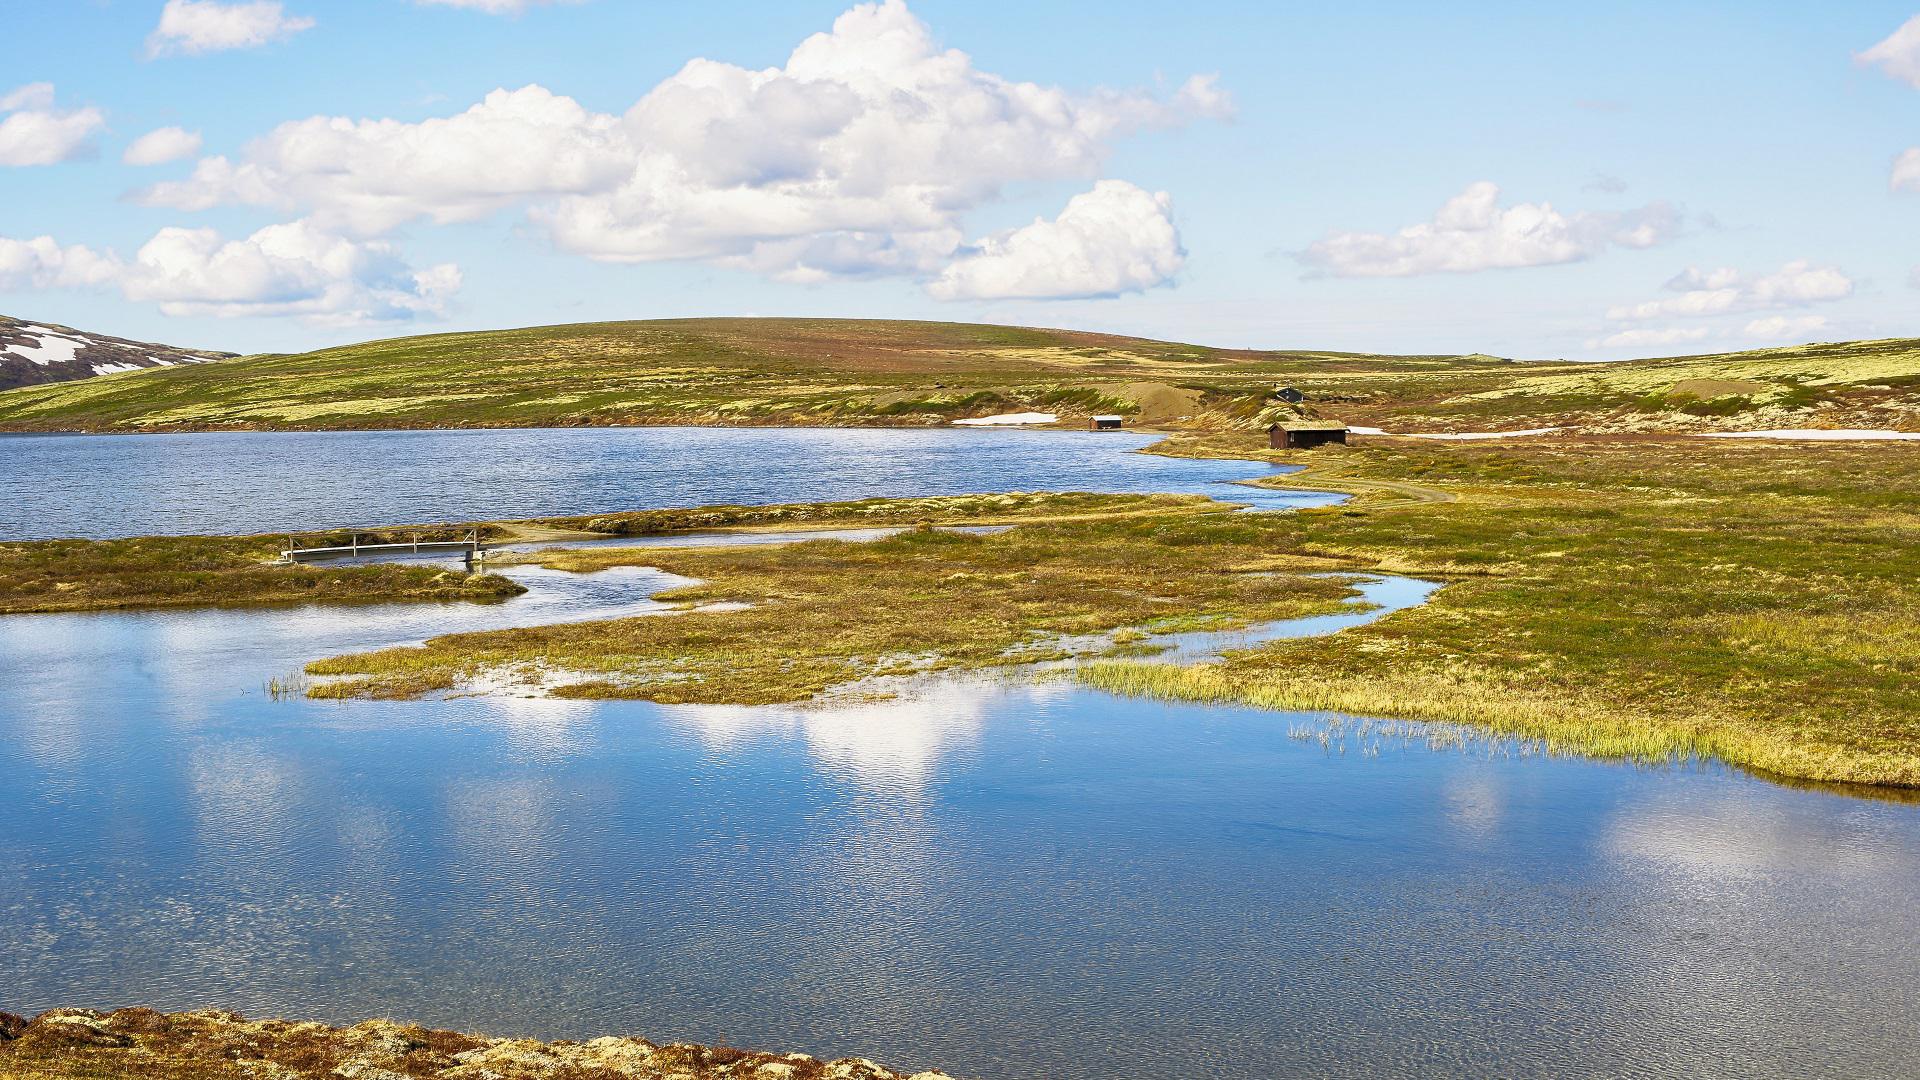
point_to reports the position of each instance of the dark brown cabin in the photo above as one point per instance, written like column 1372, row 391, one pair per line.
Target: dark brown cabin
column 1106, row 423
column 1305, row 436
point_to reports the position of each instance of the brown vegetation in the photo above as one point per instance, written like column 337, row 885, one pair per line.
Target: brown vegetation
column 80, row 1044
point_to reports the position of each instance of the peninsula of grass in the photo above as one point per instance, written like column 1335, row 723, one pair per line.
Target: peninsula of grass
column 231, row 571
column 204, row 571
column 822, row 614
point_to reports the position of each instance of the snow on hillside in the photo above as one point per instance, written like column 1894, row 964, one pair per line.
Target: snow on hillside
column 36, row 353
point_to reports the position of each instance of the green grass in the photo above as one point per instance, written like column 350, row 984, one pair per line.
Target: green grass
column 857, row 372
column 827, row 613
column 197, row 571
column 203, row 571
column 1755, row 603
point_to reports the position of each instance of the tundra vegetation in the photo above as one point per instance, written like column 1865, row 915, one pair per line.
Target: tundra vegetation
column 823, row 372
column 1626, row 592
column 80, row 1044
column 826, row 613
column 1752, row 602
column 171, row 571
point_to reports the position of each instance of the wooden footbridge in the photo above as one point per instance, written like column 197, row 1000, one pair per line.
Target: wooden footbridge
column 472, row 549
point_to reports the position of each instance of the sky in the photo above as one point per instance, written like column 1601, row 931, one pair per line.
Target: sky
column 1527, row 180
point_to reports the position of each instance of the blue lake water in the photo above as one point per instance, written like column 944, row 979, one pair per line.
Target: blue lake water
column 1004, row 878
column 136, row 485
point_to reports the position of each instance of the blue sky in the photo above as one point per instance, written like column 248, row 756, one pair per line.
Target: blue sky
column 1628, row 180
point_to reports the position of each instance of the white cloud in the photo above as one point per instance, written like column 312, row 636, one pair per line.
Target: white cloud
column 1906, row 171
column 41, row 263
column 1898, row 55
column 161, row 145
column 291, row 269
column 369, row 176
column 1473, row 232
column 33, row 131
column 1777, row 327
column 1725, row 290
column 1650, row 338
column 285, row 270
column 193, row 27
column 861, row 155
column 497, row 7
column 1114, row 239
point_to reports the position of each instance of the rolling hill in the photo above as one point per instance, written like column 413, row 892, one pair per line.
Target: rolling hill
column 847, row 372
column 35, row 354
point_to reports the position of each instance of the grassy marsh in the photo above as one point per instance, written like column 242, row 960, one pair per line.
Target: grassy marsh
column 1756, row 603
column 208, row 571
column 826, row 613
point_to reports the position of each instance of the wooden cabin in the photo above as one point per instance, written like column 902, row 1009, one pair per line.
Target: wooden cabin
column 1305, row 436
column 1106, row 423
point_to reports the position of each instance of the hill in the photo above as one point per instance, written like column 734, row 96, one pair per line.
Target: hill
column 34, row 354
column 849, row 372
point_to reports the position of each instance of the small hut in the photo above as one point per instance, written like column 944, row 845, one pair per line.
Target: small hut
column 1106, row 423
column 1305, row 436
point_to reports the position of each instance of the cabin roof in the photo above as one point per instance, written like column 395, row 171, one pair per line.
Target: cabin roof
column 1311, row 426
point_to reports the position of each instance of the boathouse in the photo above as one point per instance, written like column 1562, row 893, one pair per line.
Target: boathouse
column 1305, row 436
column 1106, row 423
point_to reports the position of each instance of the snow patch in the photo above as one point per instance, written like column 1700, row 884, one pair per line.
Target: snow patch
column 1463, row 435
column 1825, row 434
column 53, row 348
column 114, row 369
column 1007, row 419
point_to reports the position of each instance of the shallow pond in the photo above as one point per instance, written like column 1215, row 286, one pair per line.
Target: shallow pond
column 1003, row 878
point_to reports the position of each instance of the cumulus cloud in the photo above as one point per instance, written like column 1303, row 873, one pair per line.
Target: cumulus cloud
column 1473, row 232
column 34, row 131
column 42, row 263
column 1778, row 327
column 1114, row 239
column 292, row 269
column 289, row 269
column 496, row 7
column 369, row 176
column 861, row 155
column 162, row 145
column 1644, row 338
column 192, row 27
column 1898, row 55
column 1906, row 171
column 1726, row 290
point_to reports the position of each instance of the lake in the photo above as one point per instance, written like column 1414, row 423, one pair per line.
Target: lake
column 1002, row 877
column 101, row 486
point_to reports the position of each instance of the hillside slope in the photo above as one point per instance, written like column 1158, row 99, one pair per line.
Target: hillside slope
column 34, row 354
column 850, row 372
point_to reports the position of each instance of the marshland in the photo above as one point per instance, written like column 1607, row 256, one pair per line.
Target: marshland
column 832, row 744
column 906, row 539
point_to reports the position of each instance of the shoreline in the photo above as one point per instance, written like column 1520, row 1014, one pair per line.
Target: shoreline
column 85, row 1044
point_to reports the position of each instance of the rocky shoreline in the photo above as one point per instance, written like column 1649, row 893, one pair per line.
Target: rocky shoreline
column 72, row 1044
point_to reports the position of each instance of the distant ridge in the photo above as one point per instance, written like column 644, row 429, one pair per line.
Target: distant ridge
column 36, row 353
column 893, row 373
